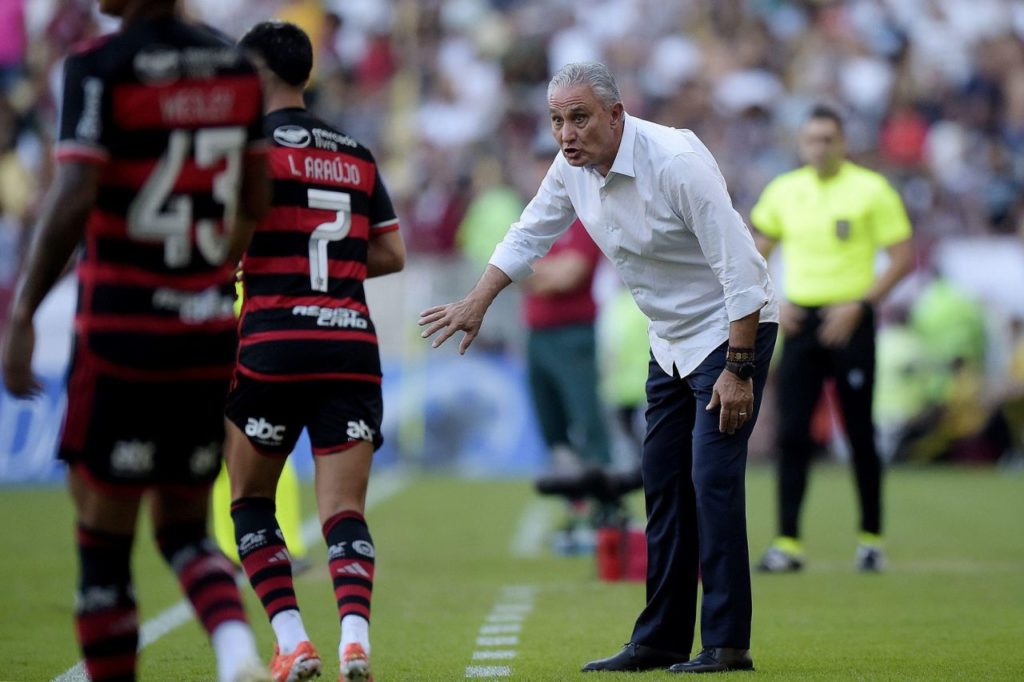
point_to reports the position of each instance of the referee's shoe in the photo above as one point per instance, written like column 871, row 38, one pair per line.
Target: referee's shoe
column 785, row 555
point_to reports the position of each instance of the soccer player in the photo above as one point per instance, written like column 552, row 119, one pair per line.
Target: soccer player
column 161, row 175
column 308, row 355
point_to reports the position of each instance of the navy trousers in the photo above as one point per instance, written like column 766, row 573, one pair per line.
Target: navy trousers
column 696, row 509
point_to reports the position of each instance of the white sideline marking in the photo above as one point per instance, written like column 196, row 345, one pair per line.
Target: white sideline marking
column 494, row 655
column 505, row 617
column 512, row 606
column 528, row 540
column 510, row 640
column 381, row 488
column 488, row 671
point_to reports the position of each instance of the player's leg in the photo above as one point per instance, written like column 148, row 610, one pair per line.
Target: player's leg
column 542, row 368
column 341, row 481
column 578, row 388
column 552, row 417
column 345, row 433
column 289, row 513
column 264, row 554
column 263, row 423
column 207, row 577
column 106, row 619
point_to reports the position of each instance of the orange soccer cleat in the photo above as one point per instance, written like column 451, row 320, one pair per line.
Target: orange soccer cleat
column 355, row 664
column 301, row 664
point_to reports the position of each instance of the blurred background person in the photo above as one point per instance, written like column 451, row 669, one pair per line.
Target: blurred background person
column 561, row 361
column 830, row 216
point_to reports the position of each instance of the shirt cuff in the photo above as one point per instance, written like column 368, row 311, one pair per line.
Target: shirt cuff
column 511, row 263
column 742, row 303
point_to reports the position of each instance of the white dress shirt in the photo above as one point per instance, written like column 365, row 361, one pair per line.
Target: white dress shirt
column 664, row 217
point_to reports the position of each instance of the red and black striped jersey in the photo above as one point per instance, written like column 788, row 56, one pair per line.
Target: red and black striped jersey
column 304, row 314
column 167, row 109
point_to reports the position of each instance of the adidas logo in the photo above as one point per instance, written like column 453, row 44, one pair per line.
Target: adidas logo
column 280, row 555
column 353, row 569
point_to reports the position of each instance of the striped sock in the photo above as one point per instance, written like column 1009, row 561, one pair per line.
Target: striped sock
column 106, row 620
column 264, row 555
column 205, row 574
column 350, row 555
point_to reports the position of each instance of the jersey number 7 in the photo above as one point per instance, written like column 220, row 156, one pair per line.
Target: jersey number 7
column 337, row 229
column 157, row 214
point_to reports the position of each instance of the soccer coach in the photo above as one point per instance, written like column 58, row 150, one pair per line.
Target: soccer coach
column 654, row 201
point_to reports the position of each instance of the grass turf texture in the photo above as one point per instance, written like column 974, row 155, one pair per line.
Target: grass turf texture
column 951, row 605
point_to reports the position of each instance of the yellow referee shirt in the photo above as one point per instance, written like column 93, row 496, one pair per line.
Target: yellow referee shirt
column 830, row 230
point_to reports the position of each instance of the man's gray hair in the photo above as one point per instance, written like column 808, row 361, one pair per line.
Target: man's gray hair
column 593, row 74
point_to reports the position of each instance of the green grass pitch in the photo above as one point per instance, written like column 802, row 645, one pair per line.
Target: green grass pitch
column 951, row 606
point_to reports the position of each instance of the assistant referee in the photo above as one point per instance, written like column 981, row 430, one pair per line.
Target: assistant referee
column 831, row 217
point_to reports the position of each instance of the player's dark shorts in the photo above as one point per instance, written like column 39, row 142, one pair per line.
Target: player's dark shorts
column 337, row 414
column 132, row 434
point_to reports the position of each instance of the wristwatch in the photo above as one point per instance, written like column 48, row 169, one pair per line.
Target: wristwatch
column 744, row 370
column 740, row 361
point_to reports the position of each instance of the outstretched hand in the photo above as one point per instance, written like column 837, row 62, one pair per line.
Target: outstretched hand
column 465, row 315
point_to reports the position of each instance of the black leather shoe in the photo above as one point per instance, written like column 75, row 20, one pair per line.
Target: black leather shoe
column 716, row 660
column 634, row 658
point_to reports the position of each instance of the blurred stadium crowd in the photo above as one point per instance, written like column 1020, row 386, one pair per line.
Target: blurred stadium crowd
column 450, row 95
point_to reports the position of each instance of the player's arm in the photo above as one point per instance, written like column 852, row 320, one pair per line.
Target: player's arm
column 58, row 231
column 385, row 253
column 253, row 204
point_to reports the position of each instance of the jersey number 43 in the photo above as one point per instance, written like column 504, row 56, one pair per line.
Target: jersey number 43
column 158, row 214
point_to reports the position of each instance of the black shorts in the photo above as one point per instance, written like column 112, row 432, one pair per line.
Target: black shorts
column 135, row 434
column 337, row 414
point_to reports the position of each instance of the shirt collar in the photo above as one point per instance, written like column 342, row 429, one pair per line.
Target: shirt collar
column 623, row 164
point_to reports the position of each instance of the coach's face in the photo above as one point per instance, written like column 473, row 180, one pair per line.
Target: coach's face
column 822, row 145
column 587, row 132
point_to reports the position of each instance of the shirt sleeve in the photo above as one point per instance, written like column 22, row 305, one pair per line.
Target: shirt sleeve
column 548, row 215
column 699, row 194
column 764, row 215
column 382, row 211
column 889, row 221
column 82, row 128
